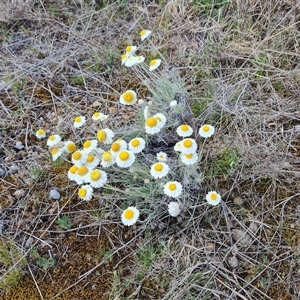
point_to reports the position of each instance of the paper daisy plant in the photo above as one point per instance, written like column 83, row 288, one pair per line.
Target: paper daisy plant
column 82, row 174
column 130, row 216
column 77, row 157
column 56, row 153
column 107, row 159
column 206, row 131
column 125, row 159
column 97, row 178
column 97, row 116
column 89, row 146
column 69, row 147
column 90, row 160
column 72, row 172
column 187, row 146
column 189, row 158
column 154, row 64
column 79, row 121
column 174, row 209
column 159, row 170
column 144, row 34
column 40, row 134
column 53, row 140
column 213, row 198
column 130, row 50
column 105, row 136
column 128, row 98
column 184, row 130
column 136, row 145
column 155, row 124
column 85, row 192
column 173, row 189
column 118, row 146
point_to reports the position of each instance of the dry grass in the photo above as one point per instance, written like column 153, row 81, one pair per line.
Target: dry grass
column 239, row 63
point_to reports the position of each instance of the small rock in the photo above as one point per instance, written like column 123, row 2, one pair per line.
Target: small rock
column 19, row 145
column 13, row 169
column 233, row 262
column 54, row 194
column 2, row 172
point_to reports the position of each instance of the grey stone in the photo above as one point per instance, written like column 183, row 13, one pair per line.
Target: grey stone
column 19, row 145
column 54, row 194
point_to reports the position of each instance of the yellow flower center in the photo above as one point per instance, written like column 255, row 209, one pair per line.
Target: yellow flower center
column 129, row 214
column 143, row 32
column 184, row 127
column 124, row 56
column 158, row 167
column 151, row 122
column 124, row 155
column 106, row 156
column 213, row 196
column 51, row 138
column 55, row 151
column 83, row 170
column 172, row 186
column 77, row 119
column 82, row 192
column 135, row 143
column 115, row 147
column 101, row 135
column 189, row 156
column 95, row 175
column 96, row 115
column 90, row 158
column 187, row 143
column 205, row 128
column 87, row 144
column 71, row 147
column 128, row 48
column 153, row 62
column 76, row 155
column 41, row 131
column 128, row 97
column 73, row 169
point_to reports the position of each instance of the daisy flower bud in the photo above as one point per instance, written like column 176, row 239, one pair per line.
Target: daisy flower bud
column 213, row 198
column 130, row 216
column 173, row 189
column 173, row 103
column 206, row 131
column 174, row 209
column 154, row 64
column 125, row 159
column 136, row 145
column 184, row 130
column 40, row 134
column 53, row 140
column 128, row 98
column 85, row 192
column 159, row 170
column 144, row 34
column 79, row 121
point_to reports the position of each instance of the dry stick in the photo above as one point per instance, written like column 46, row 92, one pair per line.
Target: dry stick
column 41, row 295
column 82, row 277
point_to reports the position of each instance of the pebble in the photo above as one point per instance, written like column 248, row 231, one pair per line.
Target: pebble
column 2, row 172
column 233, row 262
column 54, row 194
column 13, row 169
column 19, row 145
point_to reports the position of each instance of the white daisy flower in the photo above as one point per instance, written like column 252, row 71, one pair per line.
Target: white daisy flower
column 131, row 61
column 174, row 209
column 206, row 131
column 161, row 156
column 154, row 64
column 130, row 216
column 173, row 189
column 130, row 50
column 105, row 136
column 99, row 116
column 159, row 170
column 118, row 146
column 184, row 130
column 188, row 146
column 173, row 103
column 125, row 159
column 213, row 198
column 77, row 157
column 144, row 34
column 146, row 112
column 56, row 153
column 85, row 192
column 128, row 98
column 82, row 174
column 124, row 57
column 90, row 160
column 53, row 140
column 97, row 178
column 69, row 147
column 79, row 121
column 72, row 172
column 189, row 158
column 89, row 146
column 153, row 125
column 161, row 118
column 40, row 134
column 177, row 147
column 140, row 59
column 107, row 159
column 136, row 145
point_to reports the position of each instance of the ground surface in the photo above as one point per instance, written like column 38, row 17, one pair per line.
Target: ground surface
column 239, row 64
